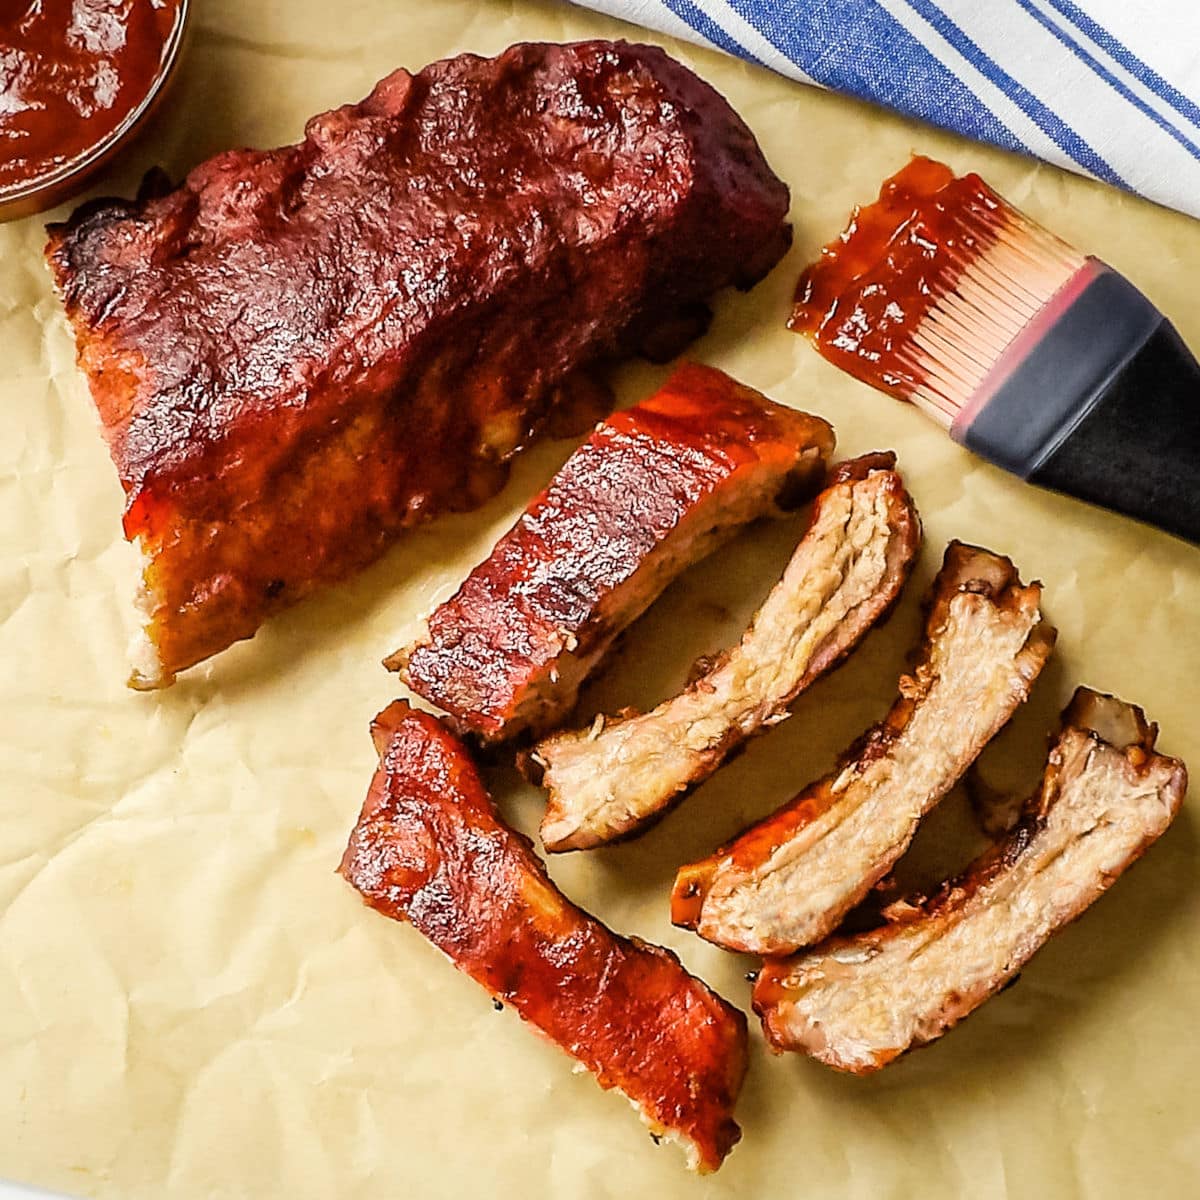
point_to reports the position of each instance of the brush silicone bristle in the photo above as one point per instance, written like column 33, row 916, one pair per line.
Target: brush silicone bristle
column 926, row 288
column 999, row 294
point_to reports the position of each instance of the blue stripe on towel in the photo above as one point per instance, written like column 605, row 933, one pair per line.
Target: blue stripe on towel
column 1141, row 71
column 859, row 47
column 1108, row 77
column 1048, row 121
column 704, row 25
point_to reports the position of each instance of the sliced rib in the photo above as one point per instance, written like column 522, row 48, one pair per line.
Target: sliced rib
column 299, row 353
column 617, row 777
column 655, row 488
column 430, row 849
column 856, row 1003
column 788, row 881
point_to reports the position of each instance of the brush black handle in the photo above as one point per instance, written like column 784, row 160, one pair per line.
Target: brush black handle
column 1105, row 408
column 1137, row 450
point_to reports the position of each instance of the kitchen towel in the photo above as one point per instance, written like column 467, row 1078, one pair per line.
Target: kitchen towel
column 1110, row 88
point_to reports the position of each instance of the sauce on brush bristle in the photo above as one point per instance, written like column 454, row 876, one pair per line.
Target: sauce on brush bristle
column 926, row 287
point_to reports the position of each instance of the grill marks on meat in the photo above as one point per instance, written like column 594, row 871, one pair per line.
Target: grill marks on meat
column 616, row 778
column 788, row 881
column 302, row 351
column 430, row 849
column 654, row 489
column 856, row 1003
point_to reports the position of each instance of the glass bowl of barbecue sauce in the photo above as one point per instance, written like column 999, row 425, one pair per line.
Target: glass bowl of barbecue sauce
column 77, row 79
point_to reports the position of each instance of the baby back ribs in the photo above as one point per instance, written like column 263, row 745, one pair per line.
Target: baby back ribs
column 655, row 488
column 301, row 351
column 788, row 881
column 617, row 777
column 856, row 1003
column 430, row 849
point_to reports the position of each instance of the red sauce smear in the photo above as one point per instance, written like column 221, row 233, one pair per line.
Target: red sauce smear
column 71, row 73
column 862, row 299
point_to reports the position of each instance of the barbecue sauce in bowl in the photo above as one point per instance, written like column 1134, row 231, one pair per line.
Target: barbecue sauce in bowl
column 75, row 77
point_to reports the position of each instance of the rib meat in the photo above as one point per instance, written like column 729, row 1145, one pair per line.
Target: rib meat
column 856, row 1003
column 655, row 488
column 621, row 774
column 788, row 881
column 302, row 351
column 430, row 849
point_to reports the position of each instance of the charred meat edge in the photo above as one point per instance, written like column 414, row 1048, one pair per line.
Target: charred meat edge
column 430, row 849
column 788, row 881
column 615, row 778
column 655, row 488
column 857, row 1003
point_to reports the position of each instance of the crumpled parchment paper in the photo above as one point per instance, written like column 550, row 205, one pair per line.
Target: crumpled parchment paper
column 193, row 1005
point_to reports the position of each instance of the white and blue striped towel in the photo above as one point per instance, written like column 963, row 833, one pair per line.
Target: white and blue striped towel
column 1109, row 88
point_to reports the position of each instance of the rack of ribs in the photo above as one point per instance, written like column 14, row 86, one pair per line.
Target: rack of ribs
column 300, row 352
column 616, row 777
column 856, row 1003
column 655, row 488
column 430, row 849
column 788, row 881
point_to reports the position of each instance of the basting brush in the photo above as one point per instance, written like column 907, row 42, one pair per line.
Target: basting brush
column 1043, row 360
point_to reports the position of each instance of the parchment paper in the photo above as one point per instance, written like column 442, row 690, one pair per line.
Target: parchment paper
column 192, row 1004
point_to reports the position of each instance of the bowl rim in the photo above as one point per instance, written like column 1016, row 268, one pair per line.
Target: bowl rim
column 31, row 189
